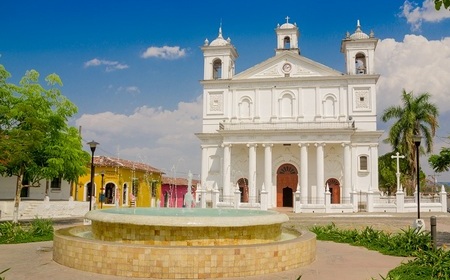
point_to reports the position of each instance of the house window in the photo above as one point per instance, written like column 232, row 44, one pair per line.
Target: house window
column 363, row 164
column 153, row 189
column 56, row 184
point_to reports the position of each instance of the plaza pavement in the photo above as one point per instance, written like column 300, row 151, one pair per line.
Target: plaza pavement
column 333, row 260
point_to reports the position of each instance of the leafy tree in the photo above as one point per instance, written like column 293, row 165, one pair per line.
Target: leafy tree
column 35, row 140
column 438, row 4
column 416, row 116
column 441, row 162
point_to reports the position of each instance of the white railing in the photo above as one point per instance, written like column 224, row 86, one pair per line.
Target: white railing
column 284, row 125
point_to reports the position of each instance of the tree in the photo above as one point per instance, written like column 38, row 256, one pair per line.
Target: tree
column 438, row 4
column 441, row 162
column 416, row 116
column 35, row 139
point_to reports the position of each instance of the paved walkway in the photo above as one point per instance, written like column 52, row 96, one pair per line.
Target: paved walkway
column 333, row 260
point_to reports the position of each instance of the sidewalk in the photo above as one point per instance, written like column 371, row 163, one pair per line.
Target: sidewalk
column 333, row 261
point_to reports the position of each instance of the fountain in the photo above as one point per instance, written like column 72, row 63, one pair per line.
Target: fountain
column 183, row 243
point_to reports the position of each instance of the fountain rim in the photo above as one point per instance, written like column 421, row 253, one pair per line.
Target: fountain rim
column 272, row 217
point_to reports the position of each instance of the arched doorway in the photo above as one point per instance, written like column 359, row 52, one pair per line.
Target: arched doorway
column 110, row 196
column 89, row 191
column 243, row 188
column 287, row 180
column 335, row 190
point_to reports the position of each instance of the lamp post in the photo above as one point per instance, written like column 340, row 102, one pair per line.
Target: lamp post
column 417, row 138
column 102, row 196
column 92, row 145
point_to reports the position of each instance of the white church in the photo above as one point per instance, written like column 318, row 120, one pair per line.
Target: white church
column 289, row 131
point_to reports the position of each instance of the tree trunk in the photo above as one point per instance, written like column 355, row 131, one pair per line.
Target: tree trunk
column 17, row 199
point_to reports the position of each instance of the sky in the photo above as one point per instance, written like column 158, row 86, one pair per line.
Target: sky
column 133, row 67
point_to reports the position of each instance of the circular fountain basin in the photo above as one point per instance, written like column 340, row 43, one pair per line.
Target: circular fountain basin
column 196, row 243
column 186, row 227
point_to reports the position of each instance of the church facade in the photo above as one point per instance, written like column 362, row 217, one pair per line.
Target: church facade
column 289, row 127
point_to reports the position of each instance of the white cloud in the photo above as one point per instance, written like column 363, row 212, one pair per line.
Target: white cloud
column 155, row 136
column 415, row 64
column 165, row 52
column 130, row 89
column 110, row 65
column 419, row 65
column 415, row 14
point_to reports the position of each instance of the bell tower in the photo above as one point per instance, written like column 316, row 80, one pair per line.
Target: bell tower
column 218, row 58
column 287, row 37
column 359, row 50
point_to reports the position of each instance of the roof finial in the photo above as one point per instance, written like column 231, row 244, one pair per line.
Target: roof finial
column 357, row 23
column 220, row 30
column 287, row 19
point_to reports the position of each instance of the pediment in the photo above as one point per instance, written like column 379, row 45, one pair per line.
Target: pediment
column 300, row 67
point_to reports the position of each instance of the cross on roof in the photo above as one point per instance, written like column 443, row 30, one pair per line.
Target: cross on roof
column 287, row 19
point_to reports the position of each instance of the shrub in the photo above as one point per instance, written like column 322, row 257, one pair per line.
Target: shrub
column 37, row 230
column 403, row 244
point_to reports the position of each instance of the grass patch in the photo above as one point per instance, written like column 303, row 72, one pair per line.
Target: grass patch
column 34, row 231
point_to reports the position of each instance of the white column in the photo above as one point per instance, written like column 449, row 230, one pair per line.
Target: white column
column 304, row 173
column 373, row 167
column 252, row 172
column 347, row 173
column 320, row 173
column 268, row 167
column 204, row 166
column 227, row 197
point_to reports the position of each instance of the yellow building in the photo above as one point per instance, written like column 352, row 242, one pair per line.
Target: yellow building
column 120, row 183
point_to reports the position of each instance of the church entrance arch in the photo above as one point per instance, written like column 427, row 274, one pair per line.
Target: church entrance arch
column 243, row 188
column 335, row 190
column 287, row 180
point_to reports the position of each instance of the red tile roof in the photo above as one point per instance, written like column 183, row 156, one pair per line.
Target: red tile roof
column 178, row 181
column 123, row 163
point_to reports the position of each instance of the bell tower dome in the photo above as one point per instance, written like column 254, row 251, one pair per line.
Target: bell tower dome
column 359, row 50
column 218, row 58
column 287, row 37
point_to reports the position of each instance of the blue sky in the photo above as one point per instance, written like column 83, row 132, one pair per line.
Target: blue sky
column 133, row 67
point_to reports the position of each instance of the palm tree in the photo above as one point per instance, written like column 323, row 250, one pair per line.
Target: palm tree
column 417, row 116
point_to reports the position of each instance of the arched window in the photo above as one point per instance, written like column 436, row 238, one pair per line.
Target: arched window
column 286, row 106
column 329, row 105
column 360, row 64
column 245, row 108
column 217, row 69
column 363, row 163
column 287, row 42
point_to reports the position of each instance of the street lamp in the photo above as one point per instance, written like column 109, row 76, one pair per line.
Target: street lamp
column 92, row 145
column 417, row 138
column 102, row 196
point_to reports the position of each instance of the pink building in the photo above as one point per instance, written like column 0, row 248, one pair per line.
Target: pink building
column 173, row 192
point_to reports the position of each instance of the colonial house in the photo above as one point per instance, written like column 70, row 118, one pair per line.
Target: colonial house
column 174, row 190
column 120, row 183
